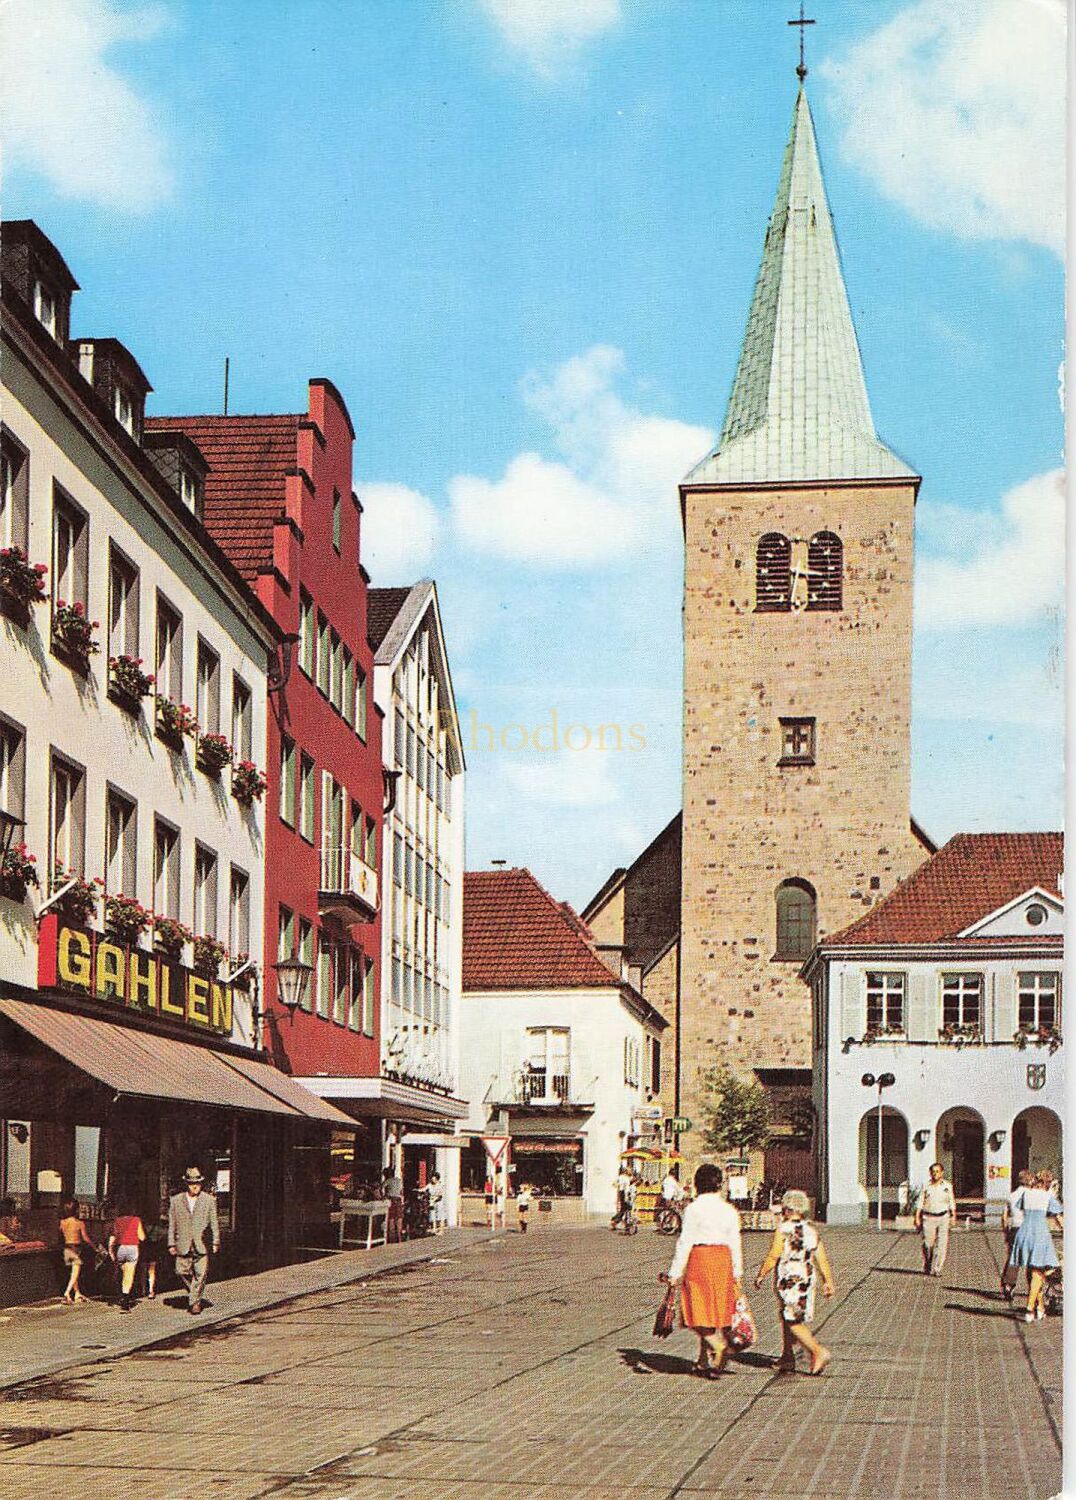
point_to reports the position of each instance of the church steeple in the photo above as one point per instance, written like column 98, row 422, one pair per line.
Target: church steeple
column 799, row 407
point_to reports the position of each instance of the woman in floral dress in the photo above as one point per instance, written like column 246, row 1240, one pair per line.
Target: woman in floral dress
column 799, row 1257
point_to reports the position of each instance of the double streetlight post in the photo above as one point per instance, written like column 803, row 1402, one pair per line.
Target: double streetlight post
column 883, row 1081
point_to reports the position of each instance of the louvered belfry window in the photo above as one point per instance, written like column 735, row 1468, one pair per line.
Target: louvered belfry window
column 773, row 572
column 825, row 567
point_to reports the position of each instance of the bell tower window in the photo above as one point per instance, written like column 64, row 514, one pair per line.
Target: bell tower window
column 797, row 919
column 773, row 573
column 825, row 569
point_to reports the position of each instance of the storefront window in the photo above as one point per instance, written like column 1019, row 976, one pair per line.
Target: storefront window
column 552, row 1167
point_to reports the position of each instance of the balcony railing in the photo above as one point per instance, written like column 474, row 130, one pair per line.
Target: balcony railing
column 348, row 884
column 536, row 1086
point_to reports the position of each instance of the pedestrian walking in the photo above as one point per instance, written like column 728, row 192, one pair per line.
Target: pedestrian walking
column 1033, row 1245
column 155, row 1242
column 435, row 1196
column 393, row 1189
column 707, row 1265
column 74, row 1236
column 798, row 1258
column 1012, row 1216
column 124, row 1242
column 935, row 1213
column 523, row 1206
column 192, row 1231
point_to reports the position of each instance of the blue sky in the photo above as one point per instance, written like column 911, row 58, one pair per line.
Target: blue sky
column 520, row 236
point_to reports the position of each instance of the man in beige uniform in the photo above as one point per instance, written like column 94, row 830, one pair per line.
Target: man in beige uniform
column 935, row 1212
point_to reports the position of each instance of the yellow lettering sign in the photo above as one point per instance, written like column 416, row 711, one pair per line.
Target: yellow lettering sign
column 197, row 1000
column 168, row 1005
column 111, row 964
column 222, row 1008
column 73, row 958
column 142, row 983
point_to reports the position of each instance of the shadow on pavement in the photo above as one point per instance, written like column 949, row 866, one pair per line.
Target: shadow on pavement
column 984, row 1312
column 649, row 1362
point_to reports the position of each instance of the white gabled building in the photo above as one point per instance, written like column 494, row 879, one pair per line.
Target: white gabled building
column 422, row 886
column 951, row 989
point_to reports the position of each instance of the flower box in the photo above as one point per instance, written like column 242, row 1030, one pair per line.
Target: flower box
column 248, row 783
column 173, row 722
column 170, row 937
column 960, row 1036
column 209, row 954
column 22, row 583
column 884, row 1034
column 127, row 683
column 18, row 873
column 213, row 754
column 73, row 634
column 1042, row 1036
column 79, row 904
column 126, row 919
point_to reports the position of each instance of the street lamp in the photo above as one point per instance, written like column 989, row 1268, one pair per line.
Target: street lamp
column 292, row 977
column 8, row 824
column 883, row 1081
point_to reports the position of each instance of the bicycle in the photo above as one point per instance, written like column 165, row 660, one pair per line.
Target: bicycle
column 667, row 1218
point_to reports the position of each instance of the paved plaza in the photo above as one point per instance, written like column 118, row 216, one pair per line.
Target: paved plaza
column 511, row 1367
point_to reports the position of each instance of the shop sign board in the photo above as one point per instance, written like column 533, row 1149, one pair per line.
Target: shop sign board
column 678, row 1124
column 78, row 961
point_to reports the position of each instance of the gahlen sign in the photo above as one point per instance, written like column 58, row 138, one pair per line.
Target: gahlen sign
column 80, row 962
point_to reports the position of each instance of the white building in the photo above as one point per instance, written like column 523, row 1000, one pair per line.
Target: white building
column 422, row 886
column 559, row 1054
column 139, row 614
column 951, row 989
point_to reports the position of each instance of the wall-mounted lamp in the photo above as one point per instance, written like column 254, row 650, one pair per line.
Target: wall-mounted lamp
column 9, row 823
column 997, row 1139
column 292, row 977
column 280, row 662
column 389, row 780
column 848, row 1043
column 920, row 1138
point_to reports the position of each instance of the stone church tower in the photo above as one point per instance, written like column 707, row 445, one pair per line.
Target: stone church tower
column 797, row 669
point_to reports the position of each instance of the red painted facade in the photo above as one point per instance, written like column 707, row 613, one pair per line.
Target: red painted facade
column 278, row 499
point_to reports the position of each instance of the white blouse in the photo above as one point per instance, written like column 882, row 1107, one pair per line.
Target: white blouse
column 708, row 1220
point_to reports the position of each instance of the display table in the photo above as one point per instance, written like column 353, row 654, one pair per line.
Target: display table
column 368, row 1212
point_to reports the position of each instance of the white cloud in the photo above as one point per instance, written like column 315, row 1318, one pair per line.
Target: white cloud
column 956, row 108
column 1010, row 567
column 70, row 116
column 613, row 488
column 572, row 778
column 548, row 34
column 400, row 529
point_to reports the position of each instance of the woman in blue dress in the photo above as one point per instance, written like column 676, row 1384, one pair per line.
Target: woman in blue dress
column 1033, row 1245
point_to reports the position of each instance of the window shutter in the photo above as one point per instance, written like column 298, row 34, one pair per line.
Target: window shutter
column 922, row 1007
column 1003, row 987
column 853, row 1005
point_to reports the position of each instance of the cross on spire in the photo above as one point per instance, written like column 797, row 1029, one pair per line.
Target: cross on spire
column 801, row 71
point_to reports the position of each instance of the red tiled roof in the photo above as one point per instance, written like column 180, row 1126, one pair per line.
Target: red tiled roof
column 248, row 458
column 517, row 937
column 971, row 876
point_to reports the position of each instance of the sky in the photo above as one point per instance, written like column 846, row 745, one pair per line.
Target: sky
column 521, row 236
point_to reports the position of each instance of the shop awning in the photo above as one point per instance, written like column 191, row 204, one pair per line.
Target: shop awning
column 389, row 1099
column 142, row 1064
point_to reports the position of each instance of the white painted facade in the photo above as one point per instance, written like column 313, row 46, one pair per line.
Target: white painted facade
column 422, row 880
column 982, row 1106
column 57, row 715
column 601, row 1036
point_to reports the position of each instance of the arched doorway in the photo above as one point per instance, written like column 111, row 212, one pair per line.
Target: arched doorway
column 894, row 1159
column 960, row 1146
column 1036, row 1141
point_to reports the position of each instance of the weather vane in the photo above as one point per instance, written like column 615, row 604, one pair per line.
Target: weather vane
column 801, row 71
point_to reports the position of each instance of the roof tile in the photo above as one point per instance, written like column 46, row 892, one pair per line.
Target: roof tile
column 517, row 937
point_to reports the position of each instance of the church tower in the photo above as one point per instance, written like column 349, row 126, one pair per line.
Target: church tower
column 798, row 534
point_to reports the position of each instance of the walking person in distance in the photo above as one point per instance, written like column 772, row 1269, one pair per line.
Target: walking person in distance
column 707, row 1265
column 124, row 1242
column 73, row 1233
column 1012, row 1216
column 1033, row 1245
column 935, row 1214
column 192, row 1221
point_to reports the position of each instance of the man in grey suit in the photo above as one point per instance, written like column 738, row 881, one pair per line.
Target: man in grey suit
column 192, row 1216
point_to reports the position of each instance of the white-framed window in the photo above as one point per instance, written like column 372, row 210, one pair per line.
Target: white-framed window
column 336, row 679
column 242, row 718
column 188, row 489
column 307, row 797
column 398, row 861
column 1038, row 1000
column 962, row 1001
column 360, row 720
column 345, row 963
column 238, row 912
column 121, row 836
column 67, row 819
column 347, row 701
column 306, row 953
column 12, row 770
column 46, row 308
column 324, row 664
column 886, row 1002
column 307, row 642
column 288, row 763
column 70, row 551
column 545, row 1067
column 205, row 892
column 123, row 408
column 797, row 742
column 168, row 657
column 369, row 996
column 399, row 738
column 632, row 1062
column 207, row 700
column 123, row 592
column 324, row 997
column 14, row 492
column 285, row 934
column 166, row 857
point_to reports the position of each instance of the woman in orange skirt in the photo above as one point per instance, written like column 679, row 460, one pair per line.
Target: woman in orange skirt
column 708, row 1265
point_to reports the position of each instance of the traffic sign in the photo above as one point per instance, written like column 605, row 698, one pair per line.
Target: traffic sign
column 494, row 1145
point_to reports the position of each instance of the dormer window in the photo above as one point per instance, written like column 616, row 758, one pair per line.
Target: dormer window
column 188, row 490
column 45, row 308
column 123, row 408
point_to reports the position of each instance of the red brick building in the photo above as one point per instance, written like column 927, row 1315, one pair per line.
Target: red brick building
column 278, row 499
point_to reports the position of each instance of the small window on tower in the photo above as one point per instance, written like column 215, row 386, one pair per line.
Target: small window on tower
column 797, row 742
column 825, row 567
column 773, row 572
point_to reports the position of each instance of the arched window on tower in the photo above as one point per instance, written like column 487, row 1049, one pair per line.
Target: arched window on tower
column 797, row 919
column 773, row 572
column 825, row 568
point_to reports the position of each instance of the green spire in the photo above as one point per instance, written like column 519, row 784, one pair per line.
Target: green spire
column 799, row 407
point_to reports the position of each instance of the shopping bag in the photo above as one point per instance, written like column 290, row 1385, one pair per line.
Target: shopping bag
column 742, row 1330
column 665, row 1318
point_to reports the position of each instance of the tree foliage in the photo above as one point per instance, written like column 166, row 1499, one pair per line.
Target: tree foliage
column 737, row 1112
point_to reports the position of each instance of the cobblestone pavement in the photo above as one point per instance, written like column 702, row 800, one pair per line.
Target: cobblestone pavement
column 525, row 1367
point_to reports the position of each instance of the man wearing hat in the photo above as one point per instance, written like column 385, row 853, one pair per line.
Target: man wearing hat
column 192, row 1215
